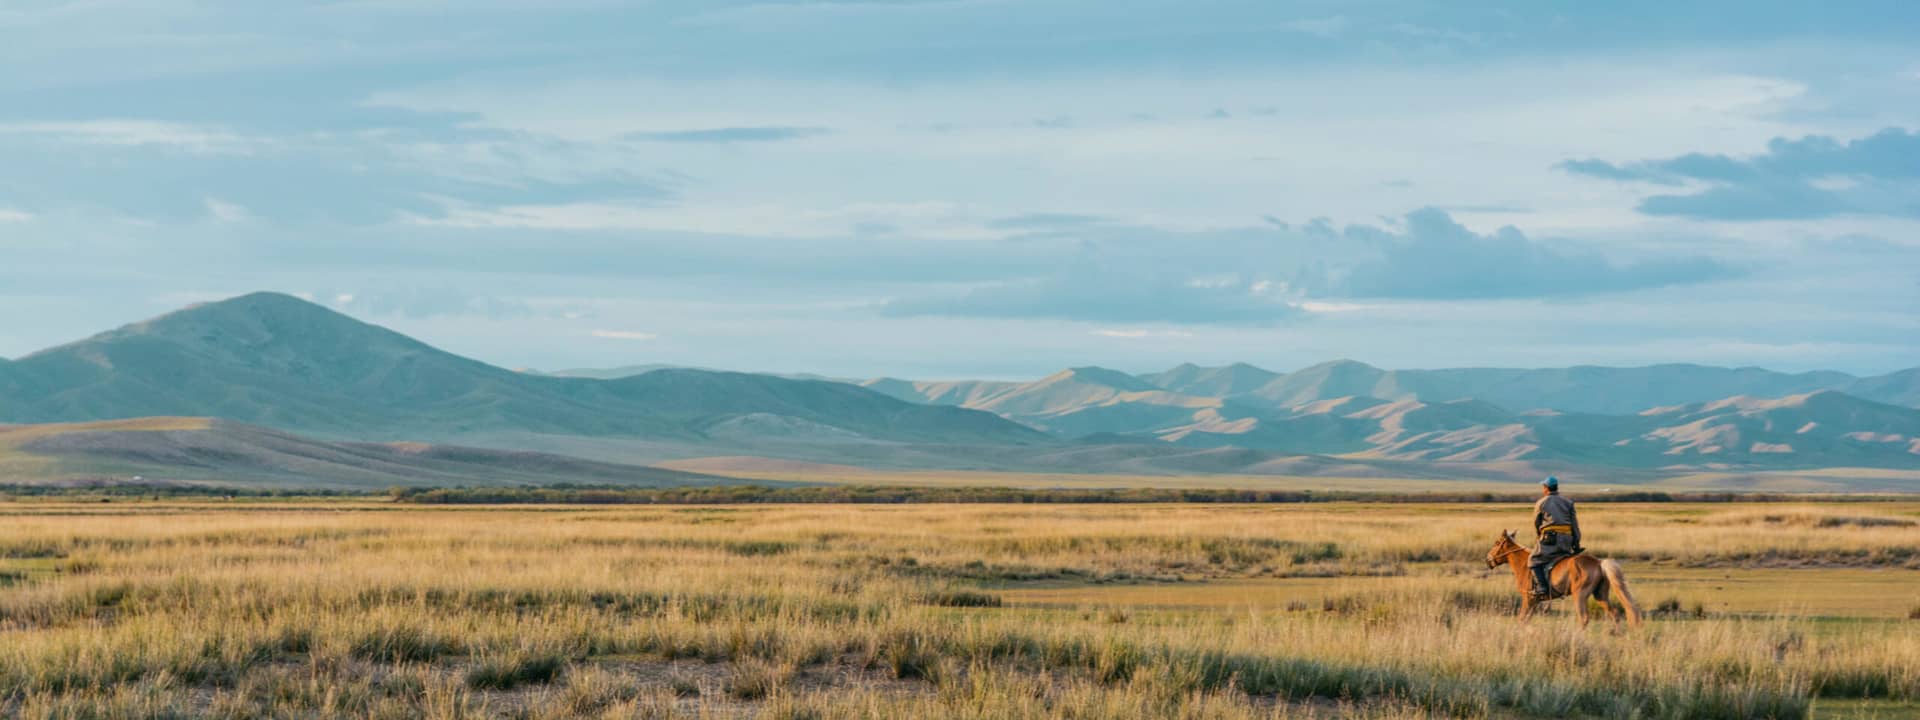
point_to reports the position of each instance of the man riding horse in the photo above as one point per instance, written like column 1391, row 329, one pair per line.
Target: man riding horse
column 1558, row 530
column 1581, row 575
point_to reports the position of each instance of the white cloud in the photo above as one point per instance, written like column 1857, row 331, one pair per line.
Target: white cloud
column 224, row 212
column 124, row 132
column 624, row 335
column 1314, row 306
column 1326, row 27
column 1136, row 334
column 916, row 219
column 9, row 215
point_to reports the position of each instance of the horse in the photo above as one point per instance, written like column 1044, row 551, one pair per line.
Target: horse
column 1581, row 576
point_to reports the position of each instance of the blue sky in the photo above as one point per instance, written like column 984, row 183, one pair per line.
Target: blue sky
column 978, row 188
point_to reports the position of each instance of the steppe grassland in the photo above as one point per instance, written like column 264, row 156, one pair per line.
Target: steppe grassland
column 834, row 611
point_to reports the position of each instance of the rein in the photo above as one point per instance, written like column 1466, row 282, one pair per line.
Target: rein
column 1495, row 561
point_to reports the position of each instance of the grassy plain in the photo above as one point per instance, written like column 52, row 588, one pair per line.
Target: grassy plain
column 962, row 611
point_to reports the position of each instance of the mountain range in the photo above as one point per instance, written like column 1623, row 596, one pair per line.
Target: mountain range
column 1649, row 416
column 1584, row 389
column 278, row 361
column 271, row 386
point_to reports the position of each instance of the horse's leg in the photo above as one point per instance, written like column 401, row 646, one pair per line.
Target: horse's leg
column 1583, row 590
column 1612, row 599
column 1604, row 593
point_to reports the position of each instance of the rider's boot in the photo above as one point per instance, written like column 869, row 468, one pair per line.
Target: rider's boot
column 1542, row 588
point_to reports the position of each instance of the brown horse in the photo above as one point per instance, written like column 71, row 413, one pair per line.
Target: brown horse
column 1581, row 576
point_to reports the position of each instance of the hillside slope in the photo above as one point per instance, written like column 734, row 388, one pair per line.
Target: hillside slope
column 1074, row 402
column 229, row 453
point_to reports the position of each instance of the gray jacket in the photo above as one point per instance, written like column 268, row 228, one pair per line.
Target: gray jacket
column 1555, row 510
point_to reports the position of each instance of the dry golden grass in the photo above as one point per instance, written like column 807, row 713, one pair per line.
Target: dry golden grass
column 823, row 611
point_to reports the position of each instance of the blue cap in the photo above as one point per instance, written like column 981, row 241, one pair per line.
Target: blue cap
column 1551, row 483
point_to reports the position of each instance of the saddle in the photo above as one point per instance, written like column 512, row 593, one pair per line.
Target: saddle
column 1553, row 590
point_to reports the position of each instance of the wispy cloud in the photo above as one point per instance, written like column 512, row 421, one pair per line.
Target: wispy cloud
column 624, row 335
column 1041, row 222
column 133, row 132
column 922, row 220
column 1318, row 306
column 428, row 302
column 1326, row 27
column 1114, row 294
column 728, row 134
column 9, row 215
column 226, row 213
column 1139, row 334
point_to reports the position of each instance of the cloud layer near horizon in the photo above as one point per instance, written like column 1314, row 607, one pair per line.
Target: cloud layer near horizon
column 1815, row 176
column 1268, row 274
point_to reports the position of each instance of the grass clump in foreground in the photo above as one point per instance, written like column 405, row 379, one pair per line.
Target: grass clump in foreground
column 512, row 670
column 880, row 612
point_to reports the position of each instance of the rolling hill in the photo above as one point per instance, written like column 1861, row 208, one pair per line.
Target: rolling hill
column 205, row 450
column 277, row 361
column 1074, row 402
column 1228, row 381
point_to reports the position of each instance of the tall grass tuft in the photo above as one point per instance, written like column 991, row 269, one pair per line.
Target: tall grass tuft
column 511, row 670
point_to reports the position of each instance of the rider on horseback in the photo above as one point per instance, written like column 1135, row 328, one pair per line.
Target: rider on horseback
column 1559, row 533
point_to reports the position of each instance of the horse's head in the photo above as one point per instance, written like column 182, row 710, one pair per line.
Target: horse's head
column 1501, row 549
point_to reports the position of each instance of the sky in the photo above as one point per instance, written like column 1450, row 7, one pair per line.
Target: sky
column 981, row 188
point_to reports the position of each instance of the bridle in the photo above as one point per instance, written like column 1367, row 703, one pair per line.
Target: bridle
column 1496, row 560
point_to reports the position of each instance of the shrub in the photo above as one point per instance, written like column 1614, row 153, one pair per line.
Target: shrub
column 512, row 671
column 758, row 679
column 401, row 644
column 684, row 685
column 961, row 599
column 752, row 548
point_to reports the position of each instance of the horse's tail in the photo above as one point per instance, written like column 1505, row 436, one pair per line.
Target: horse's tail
column 1617, row 579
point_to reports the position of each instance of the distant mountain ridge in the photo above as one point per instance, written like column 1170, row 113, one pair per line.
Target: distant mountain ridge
column 1825, row 428
column 1581, row 389
column 278, row 361
column 1650, row 416
column 1587, row 388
